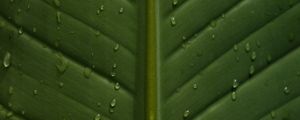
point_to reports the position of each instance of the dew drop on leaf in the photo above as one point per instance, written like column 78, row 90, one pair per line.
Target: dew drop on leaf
column 62, row 64
column 233, row 96
column 113, row 73
column 61, row 84
column 121, row 11
column 34, row 29
column 114, row 66
column 174, row 3
column 269, row 58
column 116, row 47
column 7, row 60
column 97, row 117
column 247, row 47
column 87, row 72
column 20, row 31
column 58, row 17
column 195, row 86
column 173, row 21
column 57, row 3
column 186, row 113
column 213, row 24
column 258, row 44
column 113, row 103
column 253, row 55
column 235, row 48
column 35, row 92
column 102, row 8
column 286, row 90
column 117, row 86
column 235, row 84
column 251, row 70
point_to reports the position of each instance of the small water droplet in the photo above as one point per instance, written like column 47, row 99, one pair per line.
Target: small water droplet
column 213, row 36
column 102, row 8
column 213, row 24
column 223, row 16
column 7, row 60
column 61, row 84
column 58, row 17
column 111, row 110
column 273, row 114
column 253, row 55
column 183, row 38
column 9, row 114
column 10, row 90
column 35, row 92
column 23, row 112
column 117, row 86
column 97, row 32
column 34, row 29
column 233, row 96
column 28, row 5
column 121, row 11
column 174, row 3
column 286, row 90
column 98, row 11
column 113, row 73
column 258, row 44
column 62, row 64
column 195, row 86
column 251, row 70
column 98, row 104
column 247, row 47
column 235, row 47
column 235, row 84
column 173, row 22
column 19, row 10
column 186, row 113
column 116, row 47
column 97, row 117
column 87, row 72
column 114, row 66
column 20, row 31
column 57, row 3
column 269, row 58
column 113, row 103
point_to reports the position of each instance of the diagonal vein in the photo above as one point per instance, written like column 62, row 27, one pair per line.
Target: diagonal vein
column 70, row 58
column 213, row 61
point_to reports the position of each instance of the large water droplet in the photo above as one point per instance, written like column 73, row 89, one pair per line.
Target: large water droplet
column 102, row 8
column 117, row 86
column 173, row 21
column 58, row 17
column 116, row 47
column 174, row 3
column 62, row 64
column 97, row 117
column 233, row 96
column 114, row 66
column 11, row 90
column 121, row 11
column 87, row 72
column 57, row 3
column 251, row 70
column 113, row 103
column 247, row 47
column 35, row 92
column 235, row 84
column 186, row 113
column 195, row 86
column 286, row 90
column 7, row 60
column 253, row 55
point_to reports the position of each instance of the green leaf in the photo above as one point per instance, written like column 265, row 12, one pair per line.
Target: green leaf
column 149, row 59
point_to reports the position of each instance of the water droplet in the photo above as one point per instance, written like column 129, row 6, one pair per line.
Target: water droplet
column 251, row 70
column 173, row 22
column 19, row 10
column 98, row 104
column 235, row 47
column 57, row 3
column 286, row 90
column 117, row 86
column 213, row 24
column 273, row 114
column 111, row 110
column 87, row 72
column 10, row 90
column 20, row 31
column 97, row 117
column 121, row 11
column 7, row 60
column 223, row 16
column 247, row 47
column 186, row 113
column 35, row 92
column 58, row 17
column 113, row 103
column 213, row 36
column 195, row 86
column 174, row 3
column 34, row 29
column 61, row 84
column 98, row 11
column 28, row 5
column 102, row 8
column 235, row 84
column 269, row 58
column 233, row 96
column 116, row 47
column 183, row 38
column 253, row 55
column 62, row 64
column 23, row 112
column 97, row 33
column 114, row 66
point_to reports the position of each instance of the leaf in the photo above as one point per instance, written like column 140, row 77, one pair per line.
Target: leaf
column 163, row 59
